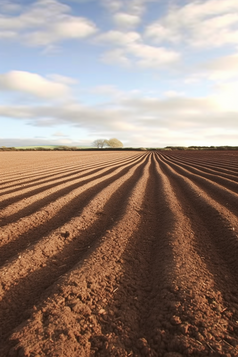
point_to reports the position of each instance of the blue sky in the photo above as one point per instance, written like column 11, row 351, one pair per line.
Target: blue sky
column 149, row 72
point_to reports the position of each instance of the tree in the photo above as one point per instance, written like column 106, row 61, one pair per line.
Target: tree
column 114, row 143
column 100, row 143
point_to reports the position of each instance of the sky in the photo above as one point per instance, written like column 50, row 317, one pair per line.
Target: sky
column 151, row 73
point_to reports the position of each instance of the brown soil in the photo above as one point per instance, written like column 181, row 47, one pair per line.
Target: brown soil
column 119, row 254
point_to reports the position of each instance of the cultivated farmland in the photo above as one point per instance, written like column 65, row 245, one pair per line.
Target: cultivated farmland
column 119, row 253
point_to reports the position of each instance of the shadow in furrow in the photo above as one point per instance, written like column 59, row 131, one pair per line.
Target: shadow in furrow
column 147, row 263
column 217, row 172
column 38, row 178
column 231, row 184
column 36, row 206
column 66, row 213
column 222, row 234
column 204, row 246
column 14, row 178
column 41, row 179
column 38, row 174
column 17, row 303
column 225, row 195
column 221, row 166
column 19, row 197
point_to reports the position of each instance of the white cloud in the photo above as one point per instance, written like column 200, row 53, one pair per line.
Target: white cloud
column 117, row 38
column 34, row 84
column 173, row 93
column 116, row 57
column 152, row 57
column 154, row 111
column 40, row 13
column 107, row 90
column 46, row 22
column 221, row 68
column 112, row 5
column 67, row 28
column 141, row 56
column 180, row 105
column 62, row 79
column 112, row 94
column 130, row 49
column 226, row 96
column 124, row 20
column 7, row 34
column 137, row 120
column 133, row 7
column 208, row 23
column 138, row 7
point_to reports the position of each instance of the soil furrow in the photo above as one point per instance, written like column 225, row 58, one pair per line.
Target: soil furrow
column 202, row 168
column 225, row 195
column 147, row 266
column 25, row 292
column 18, row 236
column 161, row 298
column 27, row 206
column 215, row 163
column 27, row 191
column 58, row 174
column 139, row 261
column 65, row 161
column 202, row 311
column 224, row 231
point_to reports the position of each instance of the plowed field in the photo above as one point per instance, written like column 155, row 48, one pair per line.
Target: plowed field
column 119, row 254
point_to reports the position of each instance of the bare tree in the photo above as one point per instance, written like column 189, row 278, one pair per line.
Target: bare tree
column 114, row 143
column 100, row 143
